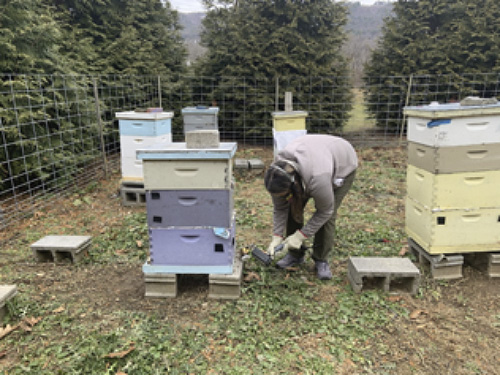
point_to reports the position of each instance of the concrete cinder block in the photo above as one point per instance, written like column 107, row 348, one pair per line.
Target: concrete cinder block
column 7, row 292
column 226, row 286
column 390, row 274
column 256, row 164
column 161, row 285
column 60, row 248
column 202, row 139
column 442, row 266
column 133, row 193
column 485, row 262
column 241, row 164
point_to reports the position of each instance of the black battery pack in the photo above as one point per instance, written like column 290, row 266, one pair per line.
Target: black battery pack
column 261, row 256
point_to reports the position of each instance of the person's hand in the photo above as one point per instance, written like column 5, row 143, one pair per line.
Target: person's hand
column 294, row 241
column 274, row 242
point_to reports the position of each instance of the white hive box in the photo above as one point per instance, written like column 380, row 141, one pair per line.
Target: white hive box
column 140, row 130
column 453, row 124
column 131, row 167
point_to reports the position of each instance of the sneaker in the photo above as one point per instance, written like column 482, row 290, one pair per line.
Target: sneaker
column 289, row 261
column 323, row 270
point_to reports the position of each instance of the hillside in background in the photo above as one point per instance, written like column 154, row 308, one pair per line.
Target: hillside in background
column 364, row 26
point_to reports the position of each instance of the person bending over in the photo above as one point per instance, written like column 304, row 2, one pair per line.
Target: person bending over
column 321, row 167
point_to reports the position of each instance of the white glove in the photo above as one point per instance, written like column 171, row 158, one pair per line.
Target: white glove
column 294, row 241
column 274, row 242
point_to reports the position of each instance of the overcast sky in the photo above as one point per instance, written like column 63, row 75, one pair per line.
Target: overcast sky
column 193, row 6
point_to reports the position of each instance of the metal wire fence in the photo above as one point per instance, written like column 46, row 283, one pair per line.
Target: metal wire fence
column 59, row 132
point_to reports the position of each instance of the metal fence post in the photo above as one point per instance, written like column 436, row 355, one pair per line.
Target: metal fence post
column 408, row 92
column 101, row 133
column 159, row 91
column 277, row 94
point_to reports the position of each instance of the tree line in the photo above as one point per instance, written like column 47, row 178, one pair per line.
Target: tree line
column 287, row 41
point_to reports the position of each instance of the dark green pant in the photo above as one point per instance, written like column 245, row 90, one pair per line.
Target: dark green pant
column 324, row 237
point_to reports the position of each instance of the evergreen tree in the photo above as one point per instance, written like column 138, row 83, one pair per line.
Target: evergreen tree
column 119, row 36
column 29, row 38
column 437, row 41
column 292, row 40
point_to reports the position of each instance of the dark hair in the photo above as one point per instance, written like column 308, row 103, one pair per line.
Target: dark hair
column 279, row 177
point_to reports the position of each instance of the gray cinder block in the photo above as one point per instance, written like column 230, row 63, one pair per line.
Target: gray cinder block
column 241, row 164
column 59, row 248
column 256, row 164
column 443, row 266
column 202, row 139
column 133, row 193
column 390, row 274
column 226, row 286
column 7, row 292
column 486, row 262
column 161, row 285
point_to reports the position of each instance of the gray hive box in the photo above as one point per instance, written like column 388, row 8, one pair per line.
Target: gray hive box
column 59, row 248
column 200, row 118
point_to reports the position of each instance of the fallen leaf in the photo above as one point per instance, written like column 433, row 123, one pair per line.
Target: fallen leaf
column 369, row 230
column 403, row 251
column 7, row 330
column 120, row 373
column 416, row 313
column 121, row 354
column 252, row 276
column 394, row 298
column 32, row 321
column 25, row 327
column 58, row 310
column 139, row 243
column 310, row 283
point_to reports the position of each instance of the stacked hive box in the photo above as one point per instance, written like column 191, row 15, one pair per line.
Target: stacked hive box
column 139, row 130
column 452, row 204
column 189, row 195
column 287, row 126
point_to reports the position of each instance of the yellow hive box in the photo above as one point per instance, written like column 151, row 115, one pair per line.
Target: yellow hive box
column 295, row 120
column 453, row 190
column 453, row 231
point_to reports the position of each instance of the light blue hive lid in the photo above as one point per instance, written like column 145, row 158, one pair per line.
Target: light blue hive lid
column 179, row 151
column 132, row 115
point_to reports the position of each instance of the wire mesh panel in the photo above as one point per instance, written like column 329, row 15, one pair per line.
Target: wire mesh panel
column 58, row 132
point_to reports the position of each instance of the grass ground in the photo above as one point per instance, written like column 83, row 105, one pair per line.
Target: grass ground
column 358, row 119
column 93, row 318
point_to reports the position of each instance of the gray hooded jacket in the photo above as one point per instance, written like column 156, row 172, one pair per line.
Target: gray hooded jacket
column 321, row 161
